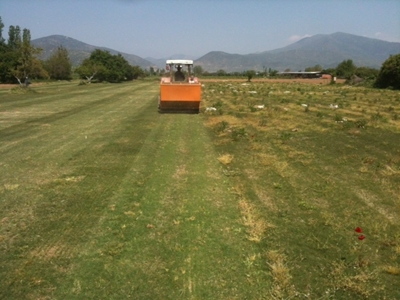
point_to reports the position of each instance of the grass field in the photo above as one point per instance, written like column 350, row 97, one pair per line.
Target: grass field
column 101, row 197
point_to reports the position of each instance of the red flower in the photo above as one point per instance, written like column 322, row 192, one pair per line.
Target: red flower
column 361, row 237
column 358, row 229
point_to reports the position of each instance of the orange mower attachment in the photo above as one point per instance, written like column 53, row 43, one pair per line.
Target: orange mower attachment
column 180, row 92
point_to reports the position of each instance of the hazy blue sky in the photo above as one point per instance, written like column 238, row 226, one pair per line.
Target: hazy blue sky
column 161, row 28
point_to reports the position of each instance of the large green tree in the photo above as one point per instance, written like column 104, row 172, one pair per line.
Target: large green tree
column 367, row 73
column 18, row 57
column 27, row 64
column 389, row 74
column 346, row 69
column 14, row 37
column 221, row 72
column 59, row 66
column 198, row 70
column 6, row 58
column 250, row 74
column 2, row 40
column 107, row 67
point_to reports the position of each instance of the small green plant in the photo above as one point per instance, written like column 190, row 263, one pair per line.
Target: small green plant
column 361, row 123
column 338, row 118
column 285, row 135
column 217, row 104
column 221, row 126
column 284, row 100
column 305, row 205
column 238, row 133
column 378, row 117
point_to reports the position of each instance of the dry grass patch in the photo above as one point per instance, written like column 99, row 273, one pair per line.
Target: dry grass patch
column 229, row 119
column 266, row 159
column 362, row 284
column 281, row 276
column 372, row 201
column 10, row 187
column 180, row 172
column 52, row 251
column 226, row 159
column 389, row 171
column 256, row 226
column 74, row 178
column 265, row 199
column 392, row 270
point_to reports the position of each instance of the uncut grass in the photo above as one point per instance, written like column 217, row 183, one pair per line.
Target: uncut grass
column 112, row 200
column 317, row 179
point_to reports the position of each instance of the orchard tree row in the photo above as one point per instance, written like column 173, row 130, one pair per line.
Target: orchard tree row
column 387, row 77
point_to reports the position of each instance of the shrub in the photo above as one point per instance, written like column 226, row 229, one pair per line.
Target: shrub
column 389, row 74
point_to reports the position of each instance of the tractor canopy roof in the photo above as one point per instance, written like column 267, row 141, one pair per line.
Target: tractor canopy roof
column 179, row 62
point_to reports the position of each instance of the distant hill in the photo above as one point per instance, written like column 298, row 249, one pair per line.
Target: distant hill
column 78, row 50
column 327, row 50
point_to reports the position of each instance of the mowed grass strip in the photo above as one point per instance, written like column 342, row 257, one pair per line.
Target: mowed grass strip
column 44, row 194
column 102, row 197
column 173, row 230
column 315, row 172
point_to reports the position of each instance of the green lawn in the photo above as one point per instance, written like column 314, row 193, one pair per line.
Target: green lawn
column 102, row 197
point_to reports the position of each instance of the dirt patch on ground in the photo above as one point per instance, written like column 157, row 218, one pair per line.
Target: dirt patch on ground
column 7, row 86
column 299, row 80
column 10, row 86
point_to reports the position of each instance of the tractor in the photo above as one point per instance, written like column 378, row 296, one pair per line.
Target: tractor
column 181, row 90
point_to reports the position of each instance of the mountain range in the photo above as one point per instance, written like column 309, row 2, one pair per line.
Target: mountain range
column 326, row 50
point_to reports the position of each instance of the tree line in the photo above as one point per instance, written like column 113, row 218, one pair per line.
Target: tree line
column 387, row 77
column 19, row 62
